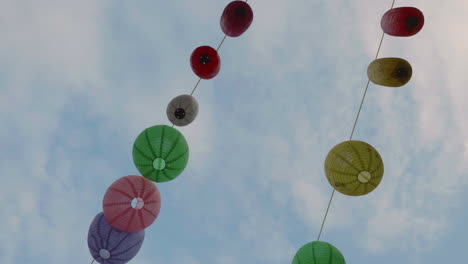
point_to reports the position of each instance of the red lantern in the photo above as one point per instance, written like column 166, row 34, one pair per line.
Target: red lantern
column 131, row 203
column 205, row 62
column 236, row 18
column 402, row 21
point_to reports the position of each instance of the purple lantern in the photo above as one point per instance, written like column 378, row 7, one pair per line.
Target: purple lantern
column 109, row 245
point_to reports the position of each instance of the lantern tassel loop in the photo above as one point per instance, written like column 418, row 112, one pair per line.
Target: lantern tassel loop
column 354, row 127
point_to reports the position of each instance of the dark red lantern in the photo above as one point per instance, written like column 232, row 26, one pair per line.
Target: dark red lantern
column 236, row 18
column 402, row 21
column 205, row 62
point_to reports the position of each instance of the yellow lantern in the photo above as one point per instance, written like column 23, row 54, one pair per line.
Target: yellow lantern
column 391, row 72
column 354, row 168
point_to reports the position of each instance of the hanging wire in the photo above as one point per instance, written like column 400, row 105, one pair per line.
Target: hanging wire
column 196, row 85
column 354, row 127
column 92, row 262
column 222, row 41
column 323, row 222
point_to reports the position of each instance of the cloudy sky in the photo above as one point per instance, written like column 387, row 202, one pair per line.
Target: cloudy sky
column 79, row 80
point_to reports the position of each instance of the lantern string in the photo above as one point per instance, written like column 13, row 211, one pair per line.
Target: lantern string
column 354, row 127
column 92, row 261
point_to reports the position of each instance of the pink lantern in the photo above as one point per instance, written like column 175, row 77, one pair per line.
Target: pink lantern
column 131, row 203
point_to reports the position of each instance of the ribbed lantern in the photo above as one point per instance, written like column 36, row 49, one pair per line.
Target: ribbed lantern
column 205, row 62
column 402, row 21
column 131, row 203
column 182, row 110
column 109, row 245
column 236, row 18
column 160, row 153
column 318, row 252
column 391, row 72
column 354, row 168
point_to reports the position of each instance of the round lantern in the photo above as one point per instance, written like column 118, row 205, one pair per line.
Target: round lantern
column 354, row 168
column 160, row 153
column 108, row 245
column 182, row 110
column 236, row 18
column 318, row 252
column 131, row 203
column 205, row 62
column 391, row 72
column 402, row 21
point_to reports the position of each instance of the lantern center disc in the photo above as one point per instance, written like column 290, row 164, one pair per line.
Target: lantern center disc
column 137, row 203
column 364, row 176
column 240, row 11
column 402, row 73
column 179, row 113
column 104, row 253
column 204, row 59
column 412, row 22
column 159, row 164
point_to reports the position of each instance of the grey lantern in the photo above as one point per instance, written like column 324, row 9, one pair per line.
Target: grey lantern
column 182, row 110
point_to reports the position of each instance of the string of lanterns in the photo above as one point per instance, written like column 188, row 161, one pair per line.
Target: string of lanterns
column 354, row 167
column 161, row 153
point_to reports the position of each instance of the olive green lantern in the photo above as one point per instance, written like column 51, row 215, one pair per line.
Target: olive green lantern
column 391, row 72
column 354, row 168
column 318, row 252
column 160, row 153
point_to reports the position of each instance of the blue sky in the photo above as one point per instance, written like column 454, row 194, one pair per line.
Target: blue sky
column 81, row 79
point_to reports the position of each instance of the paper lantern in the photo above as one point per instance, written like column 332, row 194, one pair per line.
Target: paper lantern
column 318, row 252
column 109, row 245
column 402, row 21
column 182, row 110
column 236, row 18
column 354, row 168
column 131, row 203
column 205, row 62
column 160, row 153
column 391, row 72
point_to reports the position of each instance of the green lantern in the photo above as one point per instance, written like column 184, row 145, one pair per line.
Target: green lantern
column 160, row 153
column 318, row 252
column 354, row 168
